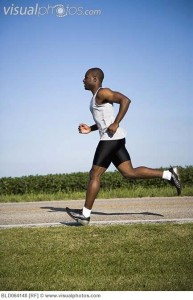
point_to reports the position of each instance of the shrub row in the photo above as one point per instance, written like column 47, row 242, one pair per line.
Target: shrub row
column 78, row 182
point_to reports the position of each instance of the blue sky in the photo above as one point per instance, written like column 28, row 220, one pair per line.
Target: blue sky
column 144, row 48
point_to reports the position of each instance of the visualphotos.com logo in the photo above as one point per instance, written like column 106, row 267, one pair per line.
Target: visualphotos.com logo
column 58, row 10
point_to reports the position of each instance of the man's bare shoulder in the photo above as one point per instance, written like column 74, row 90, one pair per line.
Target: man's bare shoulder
column 104, row 93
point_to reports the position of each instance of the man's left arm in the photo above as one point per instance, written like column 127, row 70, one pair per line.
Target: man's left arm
column 122, row 100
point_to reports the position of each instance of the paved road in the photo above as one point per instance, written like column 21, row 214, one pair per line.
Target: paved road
column 124, row 210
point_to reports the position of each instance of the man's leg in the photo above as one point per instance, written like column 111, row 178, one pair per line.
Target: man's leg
column 101, row 162
column 93, row 185
column 83, row 215
column 127, row 170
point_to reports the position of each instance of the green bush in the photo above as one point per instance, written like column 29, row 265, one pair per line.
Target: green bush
column 78, row 182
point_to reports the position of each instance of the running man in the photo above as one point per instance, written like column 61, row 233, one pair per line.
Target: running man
column 111, row 147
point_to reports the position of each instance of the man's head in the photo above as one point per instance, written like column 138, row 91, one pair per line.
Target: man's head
column 93, row 78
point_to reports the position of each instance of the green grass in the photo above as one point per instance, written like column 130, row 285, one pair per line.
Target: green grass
column 104, row 194
column 113, row 258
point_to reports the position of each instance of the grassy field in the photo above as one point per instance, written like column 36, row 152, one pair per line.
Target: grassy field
column 73, row 186
column 104, row 194
column 111, row 258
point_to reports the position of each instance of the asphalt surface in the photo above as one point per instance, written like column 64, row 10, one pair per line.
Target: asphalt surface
column 110, row 211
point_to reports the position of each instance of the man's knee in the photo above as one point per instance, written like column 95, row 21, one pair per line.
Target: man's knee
column 93, row 175
column 96, row 172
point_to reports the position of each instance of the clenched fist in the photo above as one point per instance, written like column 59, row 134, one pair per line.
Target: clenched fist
column 84, row 129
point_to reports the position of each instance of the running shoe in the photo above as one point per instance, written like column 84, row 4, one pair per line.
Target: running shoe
column 78, row 216
column 175, row 180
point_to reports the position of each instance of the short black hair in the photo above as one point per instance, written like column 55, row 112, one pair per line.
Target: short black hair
column 98, row 73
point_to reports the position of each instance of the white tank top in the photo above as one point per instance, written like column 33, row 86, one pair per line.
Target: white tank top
column 103, row 116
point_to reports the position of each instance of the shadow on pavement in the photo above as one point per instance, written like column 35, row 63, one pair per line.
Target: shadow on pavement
column 59, row 209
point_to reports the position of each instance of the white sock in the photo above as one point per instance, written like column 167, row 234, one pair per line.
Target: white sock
column 167, row 175
column 86, row 212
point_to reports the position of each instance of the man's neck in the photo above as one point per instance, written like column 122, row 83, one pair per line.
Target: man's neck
column 95, row 89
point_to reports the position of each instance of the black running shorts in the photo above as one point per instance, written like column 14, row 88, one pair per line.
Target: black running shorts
column 110, row 151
